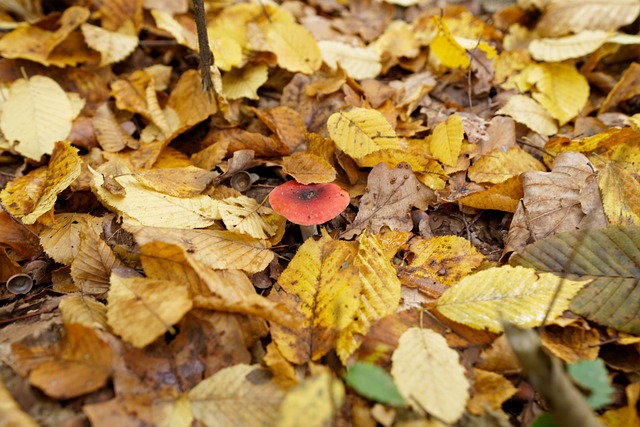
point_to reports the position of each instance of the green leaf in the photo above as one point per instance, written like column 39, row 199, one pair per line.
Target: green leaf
column 544, row 420
column 373, row 382
column 592, row 375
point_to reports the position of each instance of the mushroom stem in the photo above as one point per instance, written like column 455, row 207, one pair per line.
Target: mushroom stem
column 308, row 231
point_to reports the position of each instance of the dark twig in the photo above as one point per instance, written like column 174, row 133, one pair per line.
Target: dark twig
column 206, row 56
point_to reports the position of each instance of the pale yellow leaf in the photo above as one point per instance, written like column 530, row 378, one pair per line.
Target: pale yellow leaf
column 113, row 46
column 215, row 249
column 561, row 89
column 226, row 51
column 147, row 207
column 173, row 412
column 241, row 395
column 315, row 401
column 36, row 114
column 244, row 82
column 61, row 240
column 359, row 63
column 165, row 21
column 446, row 48
column 446, row 140
column 380, row 295
column 245, row 215
column 561, row 17
column 361, row 131
column 398, row 40
column 295, row 47
column 140, row 309
column 321, row 284
column 527, row 111
column 574, row 46
column 85, row 310
column 429, row 375
column 516, row 294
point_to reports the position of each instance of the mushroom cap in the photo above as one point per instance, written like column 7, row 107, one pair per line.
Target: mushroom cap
column 308, row 204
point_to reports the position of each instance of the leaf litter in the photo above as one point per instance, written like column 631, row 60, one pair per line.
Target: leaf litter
column 165, row 289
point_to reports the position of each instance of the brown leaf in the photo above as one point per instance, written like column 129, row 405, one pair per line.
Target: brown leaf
column 388, row 199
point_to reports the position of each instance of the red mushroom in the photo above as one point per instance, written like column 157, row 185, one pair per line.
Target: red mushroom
column 308, row 204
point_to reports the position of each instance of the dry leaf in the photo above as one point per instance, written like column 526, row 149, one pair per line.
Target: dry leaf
column 84, row 310
column 361, row 131
column 491, row 391
column 295, row 47
column 527, row 111
column 446, row 48
column 500, row 165
column 244, row 215
column 359, row 63
column 308, row 168
column 388, row 199
column 429, row 375
column 574, row 46
column 446, row 140
column 244, row 82
column 113, row 46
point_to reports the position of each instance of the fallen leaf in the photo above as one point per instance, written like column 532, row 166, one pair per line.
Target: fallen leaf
column 114, row 46
column 491, row 391
column 361, row 131
column 500, row 165
column 429, row 375
column 530, row 113
column 308, row 168
column 359, row 63
column 446, row 140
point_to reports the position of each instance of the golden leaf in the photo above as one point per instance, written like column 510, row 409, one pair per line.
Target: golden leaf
column 491, row 390
column 380, row 295
column 178, row 182
column 189, row 101
column 516, row 294
column 308, row 168
column 109, row 133
column 321, row 284
column 446, row 140
column 361, row 131
column 561, row 89
column 148, row 207
column 244, row 82
column 295, row 47
column 525, row 110
column 574, row 46
column 36, row 114
column 446, row 48
column 498, row 166
column 182, row 35
column 246, row 394
column 429, row 375
column 140, row 309
column 315, row 401
column 620, row 193
column 503, row 196
column 64, row 167
column 84, row 310
column 113, row 46
column 62, row 239
column 359, row 63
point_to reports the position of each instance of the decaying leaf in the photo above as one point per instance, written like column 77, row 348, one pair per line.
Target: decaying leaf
column 388, row 198
column 321, row 286
column 516, row 294
column 75, row 362
column 429, row 375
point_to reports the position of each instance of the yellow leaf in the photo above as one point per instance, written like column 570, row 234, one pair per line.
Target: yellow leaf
column 243, row 395
column 244, row 215
column 215, row 249
column 109, row 133
column 64, row 167
column 36, row 114
column 178, row 182
column 398, row 40
column 140, row 309
column 525, row 110
column 620, row 193
column 574, row 46
column 308, row 168
column 84, row 310
column 295, row 47
column 361, row 131
column 359, row 63
column 147, row 207
column 498, row 166
column 244, row 82
column 380, row 295
column 446, row 140
column 11, row 410
column 516, row 294
column 429, row 375
column 446, row 48
column 443, row 259
column 491, row 390
column 563, row 17
column 113, row 46
column 503, row 196
column 321, row 284
column 315, row 401
column 166, row 22
column 561, row 89
column 189, row 101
